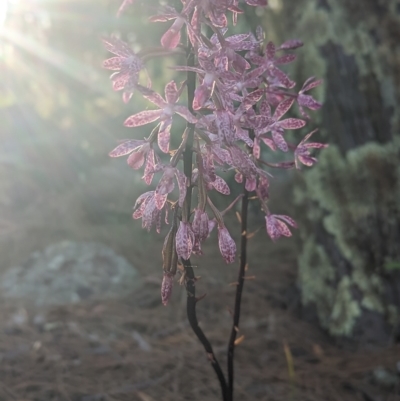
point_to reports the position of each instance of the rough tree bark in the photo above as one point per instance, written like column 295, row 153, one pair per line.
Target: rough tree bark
column 349, row 267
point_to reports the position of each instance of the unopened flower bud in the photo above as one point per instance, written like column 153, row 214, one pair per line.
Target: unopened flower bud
column 166, row 287
column 184, row 240
column 200, row 225
column 227, row 245
column 169, row 254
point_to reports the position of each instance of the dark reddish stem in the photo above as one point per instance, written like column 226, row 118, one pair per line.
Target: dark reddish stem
column 239, row 290
column 190, row 277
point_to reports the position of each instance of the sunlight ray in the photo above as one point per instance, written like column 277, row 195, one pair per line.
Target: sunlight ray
column 3, row 12
column 84, row 74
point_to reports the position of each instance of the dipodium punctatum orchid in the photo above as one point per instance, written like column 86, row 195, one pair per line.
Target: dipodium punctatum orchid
column 237, row 107
column 238, row 95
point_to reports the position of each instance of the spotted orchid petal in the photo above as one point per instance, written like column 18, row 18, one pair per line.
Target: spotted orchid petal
column 164, row 135
column 221, row 186
column 277, row 226
column 149, row 168
column 182, row 185
column 172, row 37
column 142, row 118
column 202, row 94
column 126, row 147
column 136, row 160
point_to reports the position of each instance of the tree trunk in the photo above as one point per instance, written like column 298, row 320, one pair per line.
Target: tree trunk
column 349, row 268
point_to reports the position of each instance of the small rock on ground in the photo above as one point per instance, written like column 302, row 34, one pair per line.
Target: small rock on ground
column 68, row 272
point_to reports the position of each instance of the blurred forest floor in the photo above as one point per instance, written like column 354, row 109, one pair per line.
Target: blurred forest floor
column 135, row 348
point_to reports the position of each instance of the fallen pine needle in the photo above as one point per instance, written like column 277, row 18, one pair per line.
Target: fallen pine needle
column 144, row 396
column 251, row 235
column 239, row 340
column 289, row 361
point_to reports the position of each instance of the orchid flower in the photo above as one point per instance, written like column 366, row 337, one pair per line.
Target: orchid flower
column 167, row 108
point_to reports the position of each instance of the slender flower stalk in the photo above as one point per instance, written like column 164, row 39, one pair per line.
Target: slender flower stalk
column 239, row 97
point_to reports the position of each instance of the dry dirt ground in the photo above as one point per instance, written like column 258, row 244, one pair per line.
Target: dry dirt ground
column 136, row 349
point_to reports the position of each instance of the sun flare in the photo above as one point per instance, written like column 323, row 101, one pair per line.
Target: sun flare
column 3, row 11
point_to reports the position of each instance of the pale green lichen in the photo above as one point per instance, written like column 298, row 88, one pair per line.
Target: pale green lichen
column 336, row 308
column 391, row 265
column 371, row 288
column 359, row 196
column 393, row 315
column 345, row 310
column 316, row 276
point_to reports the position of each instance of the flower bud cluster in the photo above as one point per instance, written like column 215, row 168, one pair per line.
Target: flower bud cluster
column 237, row 117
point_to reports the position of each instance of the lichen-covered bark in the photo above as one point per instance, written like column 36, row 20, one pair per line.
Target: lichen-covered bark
column 350, row 263
column 349, row 269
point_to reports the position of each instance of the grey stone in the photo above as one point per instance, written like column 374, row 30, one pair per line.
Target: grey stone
column 69, row 272
column 385, row 378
